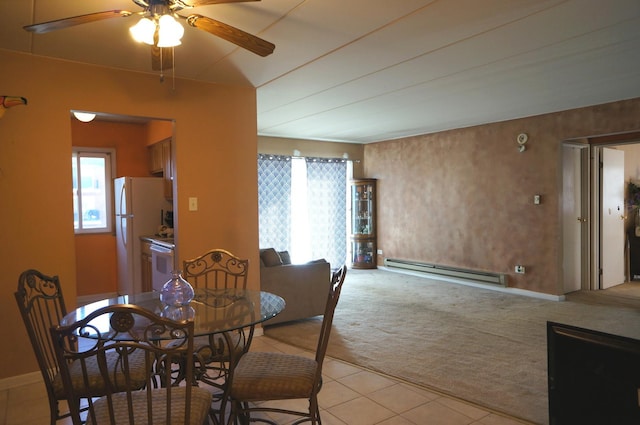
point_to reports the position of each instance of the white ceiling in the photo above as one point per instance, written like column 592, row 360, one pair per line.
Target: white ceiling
column 369, row 70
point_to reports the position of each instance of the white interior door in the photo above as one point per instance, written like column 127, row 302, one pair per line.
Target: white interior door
column 573, row 218
column 612, row 218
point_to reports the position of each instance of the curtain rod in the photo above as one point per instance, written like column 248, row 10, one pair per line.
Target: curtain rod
column 275, row 157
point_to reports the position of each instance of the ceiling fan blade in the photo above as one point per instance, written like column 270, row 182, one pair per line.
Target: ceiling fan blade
column 75, row 20
column 196, row 3
column 232, row 34
column 161, row 58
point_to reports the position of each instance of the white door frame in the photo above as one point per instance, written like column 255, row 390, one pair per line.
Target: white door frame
column 594, row 223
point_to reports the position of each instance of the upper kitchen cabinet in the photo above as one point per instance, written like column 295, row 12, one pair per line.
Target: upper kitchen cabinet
column 161, row 164
column 156, row 164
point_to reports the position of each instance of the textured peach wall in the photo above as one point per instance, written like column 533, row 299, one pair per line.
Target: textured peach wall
column 464, row 197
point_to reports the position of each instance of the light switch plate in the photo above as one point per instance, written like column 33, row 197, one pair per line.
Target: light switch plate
column 193, row 204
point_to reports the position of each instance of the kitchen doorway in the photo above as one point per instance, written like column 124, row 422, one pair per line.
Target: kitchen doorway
column 130, row 138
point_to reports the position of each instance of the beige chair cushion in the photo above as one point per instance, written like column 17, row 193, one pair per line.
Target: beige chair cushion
column 273, row 376
column 200, row 405
column 96, row 381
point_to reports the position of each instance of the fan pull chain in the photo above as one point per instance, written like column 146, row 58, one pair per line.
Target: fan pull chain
column 161, row 67
column 173, row 67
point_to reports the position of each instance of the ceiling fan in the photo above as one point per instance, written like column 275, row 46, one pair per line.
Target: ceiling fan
column 153, row 10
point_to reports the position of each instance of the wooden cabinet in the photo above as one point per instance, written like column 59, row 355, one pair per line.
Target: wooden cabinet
column 145, row 254
column 156, row 161
column 161, row 164
column 363, row 224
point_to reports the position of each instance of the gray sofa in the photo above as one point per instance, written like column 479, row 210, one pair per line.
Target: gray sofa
column 304, row 287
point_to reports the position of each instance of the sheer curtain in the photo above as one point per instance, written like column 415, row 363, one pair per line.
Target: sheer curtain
column 303, row 207
column 274, row 201
column 327, row 211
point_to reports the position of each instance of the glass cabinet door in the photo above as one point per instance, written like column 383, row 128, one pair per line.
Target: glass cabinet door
column 362, row 209
column 364, row 252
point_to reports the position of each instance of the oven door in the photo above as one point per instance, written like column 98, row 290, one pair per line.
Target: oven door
column 161, row 266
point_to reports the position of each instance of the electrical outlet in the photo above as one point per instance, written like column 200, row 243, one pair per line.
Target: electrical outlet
column 379, row 252
column 519, row 269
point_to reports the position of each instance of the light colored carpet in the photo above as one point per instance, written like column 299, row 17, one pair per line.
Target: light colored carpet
column 480, row 345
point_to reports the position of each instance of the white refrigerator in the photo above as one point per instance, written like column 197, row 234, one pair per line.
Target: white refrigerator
column 139, row 203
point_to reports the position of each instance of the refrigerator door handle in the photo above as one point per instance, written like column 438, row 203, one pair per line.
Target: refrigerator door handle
column 123, row 215
column 122, row 201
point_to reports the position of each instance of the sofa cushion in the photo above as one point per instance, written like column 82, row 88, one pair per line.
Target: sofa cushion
column 285, row 257
column 270, row 257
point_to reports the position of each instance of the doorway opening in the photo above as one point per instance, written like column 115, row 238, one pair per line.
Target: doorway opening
column 130, row 137
column 597, row 219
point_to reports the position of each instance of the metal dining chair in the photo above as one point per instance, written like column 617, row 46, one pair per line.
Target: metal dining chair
column 264, row 376
column 131, row 332
column 217, row 270
column 42, row 306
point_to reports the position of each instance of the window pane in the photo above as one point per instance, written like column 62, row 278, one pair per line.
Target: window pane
column 93, row 192
column 91, row 171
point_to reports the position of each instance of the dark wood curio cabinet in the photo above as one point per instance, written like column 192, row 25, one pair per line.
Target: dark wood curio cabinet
column 363, row 224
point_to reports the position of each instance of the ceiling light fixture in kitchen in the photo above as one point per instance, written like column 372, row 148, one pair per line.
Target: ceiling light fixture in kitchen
column 84, row 116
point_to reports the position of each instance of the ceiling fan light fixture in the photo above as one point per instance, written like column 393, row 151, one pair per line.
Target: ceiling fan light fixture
column 169, row 31
column 143, row 31
column 84, row 116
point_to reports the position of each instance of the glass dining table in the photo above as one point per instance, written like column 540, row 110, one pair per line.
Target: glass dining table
column 214, row 312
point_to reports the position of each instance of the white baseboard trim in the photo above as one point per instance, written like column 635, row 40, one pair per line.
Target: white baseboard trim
column 20, row 380
column 508, row 290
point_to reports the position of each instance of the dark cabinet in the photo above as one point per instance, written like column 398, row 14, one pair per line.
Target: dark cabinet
column 634, row 256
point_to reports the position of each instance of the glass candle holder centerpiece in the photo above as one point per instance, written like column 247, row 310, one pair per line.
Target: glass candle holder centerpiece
column 177, row 292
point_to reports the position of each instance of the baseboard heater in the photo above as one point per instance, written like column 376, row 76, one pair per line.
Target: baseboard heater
column 474, row 275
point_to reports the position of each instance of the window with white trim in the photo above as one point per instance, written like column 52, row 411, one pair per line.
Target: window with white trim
column 93, row 171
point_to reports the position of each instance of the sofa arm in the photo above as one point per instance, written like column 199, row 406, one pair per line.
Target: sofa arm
column 304, row 287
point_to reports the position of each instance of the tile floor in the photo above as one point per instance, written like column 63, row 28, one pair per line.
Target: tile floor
column 350, row 396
